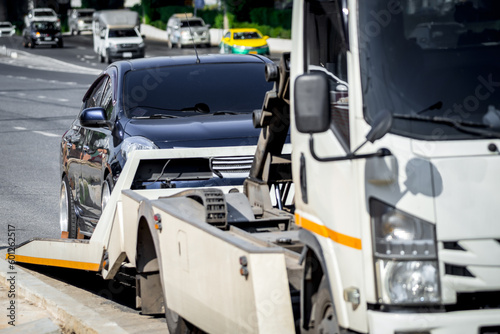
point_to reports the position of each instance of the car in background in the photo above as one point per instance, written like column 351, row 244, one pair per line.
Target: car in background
column 186, row 29
column 244, row 41
column 7, row 29
column 42, row 14
column 157, row 103
column 80, row 20
column 42, row 33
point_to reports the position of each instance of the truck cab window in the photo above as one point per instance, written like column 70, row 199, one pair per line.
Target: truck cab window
column 326, row 53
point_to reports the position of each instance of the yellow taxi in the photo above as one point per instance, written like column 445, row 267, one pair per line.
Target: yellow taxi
column 244, row 41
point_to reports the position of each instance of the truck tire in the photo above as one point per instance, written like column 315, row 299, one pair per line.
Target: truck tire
column 67, row 216
column 325, row 317
column 107, row 58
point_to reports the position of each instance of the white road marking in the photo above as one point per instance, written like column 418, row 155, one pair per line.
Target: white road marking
column 20, row 128
column 47, row 134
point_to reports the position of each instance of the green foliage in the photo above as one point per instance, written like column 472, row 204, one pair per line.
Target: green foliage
column 159, row 24
column 219, row 21
column 272, row 17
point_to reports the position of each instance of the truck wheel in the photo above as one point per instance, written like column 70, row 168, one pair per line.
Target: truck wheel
column 107, row 58
column 325, row 317
column 177, row 325
column 107, row 187
column 67, row 216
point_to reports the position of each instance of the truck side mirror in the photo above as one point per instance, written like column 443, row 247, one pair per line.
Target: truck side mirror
column 94, row 117
column 312, row 103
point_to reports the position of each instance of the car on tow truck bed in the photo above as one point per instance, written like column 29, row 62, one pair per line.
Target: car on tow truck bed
column 164, row 102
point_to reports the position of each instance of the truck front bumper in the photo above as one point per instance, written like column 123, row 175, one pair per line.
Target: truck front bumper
column 127, row 53
column 476, row 322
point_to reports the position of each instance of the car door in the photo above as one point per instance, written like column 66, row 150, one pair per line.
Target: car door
column 94, row 141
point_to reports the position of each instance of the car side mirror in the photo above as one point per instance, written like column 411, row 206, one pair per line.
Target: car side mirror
column 94, row 117
column 226, row 39
column 143, row 36
column 312, row 103
column 266, row 37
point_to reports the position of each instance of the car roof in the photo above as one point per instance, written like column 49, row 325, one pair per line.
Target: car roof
column 145, row 63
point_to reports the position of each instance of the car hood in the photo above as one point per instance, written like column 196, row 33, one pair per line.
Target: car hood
column 196, row 131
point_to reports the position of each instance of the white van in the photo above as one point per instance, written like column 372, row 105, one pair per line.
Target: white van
column 116, row 35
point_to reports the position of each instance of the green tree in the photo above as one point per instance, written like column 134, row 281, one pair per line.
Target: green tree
column 241, row 8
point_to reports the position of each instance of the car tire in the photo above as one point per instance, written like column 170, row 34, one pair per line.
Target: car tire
column 67, row 215
column 106, row 189
column 60, row 44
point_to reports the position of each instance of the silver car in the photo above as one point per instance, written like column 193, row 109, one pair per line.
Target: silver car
column 80, row 20
column 7, row 29
column 186, row 29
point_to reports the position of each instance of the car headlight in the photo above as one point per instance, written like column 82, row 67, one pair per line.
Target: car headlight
column 241, row 47
column 405, row 256
column 131, row 144
column 141, row 45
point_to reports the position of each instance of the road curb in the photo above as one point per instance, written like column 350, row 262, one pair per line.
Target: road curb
column 67, row 312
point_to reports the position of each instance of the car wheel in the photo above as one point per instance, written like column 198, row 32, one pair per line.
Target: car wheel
column 60, row 44
column 107, row 188
column 67, row 216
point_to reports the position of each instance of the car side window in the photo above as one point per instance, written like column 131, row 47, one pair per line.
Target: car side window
column 228, row 34
column 107, row 100
column 94, row 100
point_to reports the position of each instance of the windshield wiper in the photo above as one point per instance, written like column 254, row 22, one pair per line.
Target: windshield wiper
column 480, row 129
column 156, row 116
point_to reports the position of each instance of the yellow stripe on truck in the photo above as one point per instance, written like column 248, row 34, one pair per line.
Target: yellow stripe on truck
column 324, row 231
column 54, row 262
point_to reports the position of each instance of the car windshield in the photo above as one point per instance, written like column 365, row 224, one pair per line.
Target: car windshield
column 191, row 23
column 246, row 35
column 43, row 13
column 85, row 14
column 431, row 60
column 43, row 26
column 188, row 90
column 122, row 33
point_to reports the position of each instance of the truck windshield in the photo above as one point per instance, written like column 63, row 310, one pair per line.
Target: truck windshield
column 426, row 61
column 188, row 90
column 122, row 33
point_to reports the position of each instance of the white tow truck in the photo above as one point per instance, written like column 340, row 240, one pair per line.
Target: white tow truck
column 394, row 157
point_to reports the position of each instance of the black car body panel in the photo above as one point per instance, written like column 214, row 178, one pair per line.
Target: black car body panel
column 42, row 33
column 90, row 153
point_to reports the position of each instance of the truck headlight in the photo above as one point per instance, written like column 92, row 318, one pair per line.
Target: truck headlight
column 405, row 256
column 131, row 144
